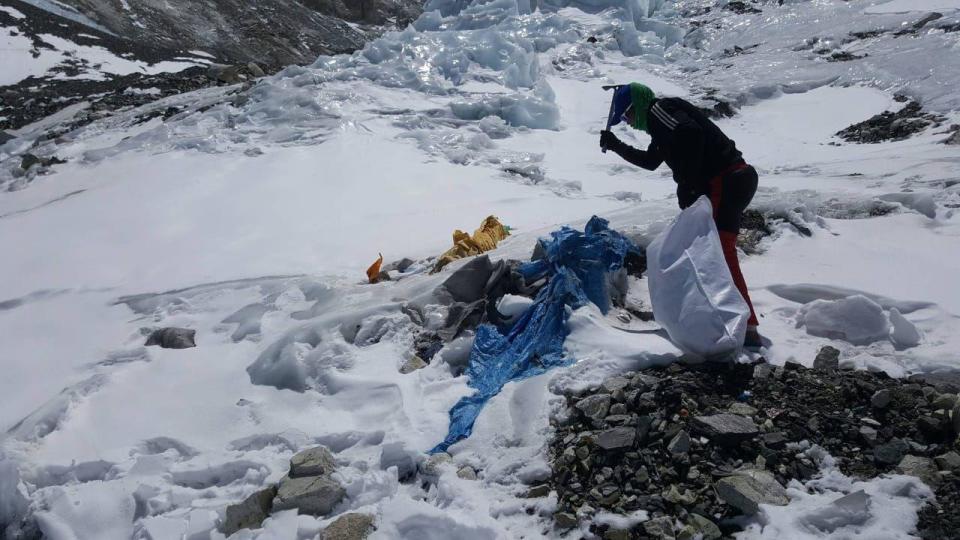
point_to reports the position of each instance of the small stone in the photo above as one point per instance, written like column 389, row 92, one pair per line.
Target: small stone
column 921, row 467
column 680, row 444
column 618, row 409
column 467, row 473
column 881, row 399
column 255, row 69
column 413, row 364
column 594, row 407
column 891, row 452
column 432, row 467
column 642, row 475
column 349, row 527
column 747, row 489
column 617, row 438
column 316, row 461
column 869, row 435
column 660, row 528
column 762, row 371
column 674, row 495
column 565, row 520
column 701, row 528
column 742, row 409
column 827, row 360
column 616, row 534
column 172, row 338
column 313, row 495
column 643, row 381
column 775, row 439
column 250, row 513
column 948, row 462
column 955, row 417
column 725, row 427
column 867, row 421
column 538, row 491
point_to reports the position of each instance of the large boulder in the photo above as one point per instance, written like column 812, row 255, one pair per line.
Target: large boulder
column 748, row 489
column 172, row 338
column 316, row 461
column 726, row 428
column 313, row 495
column 250, row 513
column 349, row 527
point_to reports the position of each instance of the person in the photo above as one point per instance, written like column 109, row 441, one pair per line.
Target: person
column 704, row 161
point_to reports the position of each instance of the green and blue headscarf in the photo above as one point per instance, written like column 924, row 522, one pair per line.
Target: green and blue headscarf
column 636, row 94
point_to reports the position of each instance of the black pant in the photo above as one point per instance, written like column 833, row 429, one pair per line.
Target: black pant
column 734, row 191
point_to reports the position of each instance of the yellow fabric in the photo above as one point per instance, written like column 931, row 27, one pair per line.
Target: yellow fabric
column 485, row 238
column 373, row 273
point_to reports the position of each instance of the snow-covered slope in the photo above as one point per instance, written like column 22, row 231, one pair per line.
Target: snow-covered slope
column 250, row 215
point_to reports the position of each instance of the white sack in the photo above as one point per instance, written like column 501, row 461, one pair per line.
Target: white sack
column 693, row 295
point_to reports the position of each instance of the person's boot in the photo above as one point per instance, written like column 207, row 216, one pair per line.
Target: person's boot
column 752, row 340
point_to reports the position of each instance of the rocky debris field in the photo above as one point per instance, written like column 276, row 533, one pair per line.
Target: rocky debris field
column 701, row 445
column 309, row 488
column 892, row 126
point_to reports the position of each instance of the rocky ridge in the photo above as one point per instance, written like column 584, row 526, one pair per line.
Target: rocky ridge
column 701, row 445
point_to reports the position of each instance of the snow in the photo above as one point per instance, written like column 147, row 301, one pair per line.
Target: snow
column 907, row 6
column 883, row 508
column 18, row 60
column 251, row 218
column 12, row 12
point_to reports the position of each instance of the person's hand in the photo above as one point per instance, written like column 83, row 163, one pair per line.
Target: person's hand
column 608, row 139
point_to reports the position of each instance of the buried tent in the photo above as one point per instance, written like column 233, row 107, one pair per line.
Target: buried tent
column 576, row 265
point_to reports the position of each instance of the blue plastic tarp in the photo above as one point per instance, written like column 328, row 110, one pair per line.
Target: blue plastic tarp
column 576, row 265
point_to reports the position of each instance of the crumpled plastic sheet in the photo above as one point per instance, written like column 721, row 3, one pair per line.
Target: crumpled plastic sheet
column 576, row 265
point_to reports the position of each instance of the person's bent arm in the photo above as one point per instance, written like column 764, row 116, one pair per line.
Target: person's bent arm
column 649, row 159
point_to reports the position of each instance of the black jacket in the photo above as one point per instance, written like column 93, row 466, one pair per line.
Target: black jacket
column 694, row 147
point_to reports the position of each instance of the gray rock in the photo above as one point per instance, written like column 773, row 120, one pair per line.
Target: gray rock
column 313, row 495
column 699, row 527
column 617, row 438
column 955, row 417
column 944, row 401
column 349, row 527
column 395, row 455
column 775, row 439
column 172, row 338
column 618, row 409
column 852, row 509
column 680, row 444
column 762, row 371
column 725, row 427
column 467, row 473
column 660, row 528
column 891, row 452
column 432, row 467
column 642, row 381
column 881, row 399
column 613, row 384
column 538, row 491
column 224, row 73
column 250, row 513
column 742, row 409
column 827, row 360
column 413, row 364
column 869, row 435
column 565, row 520
column 595, row 407
column 921, row 467
column 747, row 489
column 948, row 462
column 616, row 534
column 316, row 461
column 674, row 495
column 255, row 69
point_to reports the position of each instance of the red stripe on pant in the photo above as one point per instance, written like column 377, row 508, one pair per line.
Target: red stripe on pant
column 728, row 240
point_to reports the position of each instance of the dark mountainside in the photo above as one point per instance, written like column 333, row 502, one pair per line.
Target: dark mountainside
column 244, row 40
